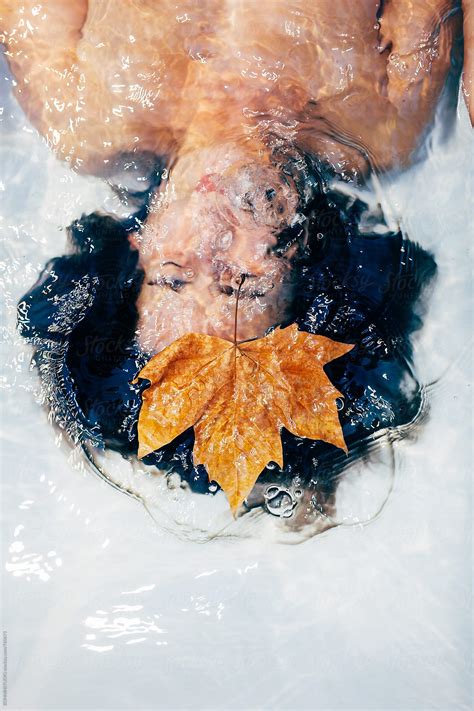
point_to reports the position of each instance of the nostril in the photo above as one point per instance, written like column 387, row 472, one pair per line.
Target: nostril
column 229, row 279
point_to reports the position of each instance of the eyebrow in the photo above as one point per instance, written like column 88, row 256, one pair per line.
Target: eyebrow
column 175, row 264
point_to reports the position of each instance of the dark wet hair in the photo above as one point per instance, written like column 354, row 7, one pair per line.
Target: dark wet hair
column 352, row 285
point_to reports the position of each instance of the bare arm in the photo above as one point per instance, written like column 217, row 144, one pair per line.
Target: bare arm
column 468, row 73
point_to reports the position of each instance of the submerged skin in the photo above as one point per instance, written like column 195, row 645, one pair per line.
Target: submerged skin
column 222, row 89
column 468, row 69
column 103, row 77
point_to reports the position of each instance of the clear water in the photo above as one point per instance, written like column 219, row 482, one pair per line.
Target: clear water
column 106, row 609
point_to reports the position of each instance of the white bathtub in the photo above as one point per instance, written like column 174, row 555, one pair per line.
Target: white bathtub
column 105, row 610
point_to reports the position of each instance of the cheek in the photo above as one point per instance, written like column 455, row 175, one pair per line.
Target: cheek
column 257, row 315
column 164, row 316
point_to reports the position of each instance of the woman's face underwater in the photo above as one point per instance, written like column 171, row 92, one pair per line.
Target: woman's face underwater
column 200, row 238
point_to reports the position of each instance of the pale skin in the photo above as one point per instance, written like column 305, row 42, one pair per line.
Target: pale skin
column 214, row 87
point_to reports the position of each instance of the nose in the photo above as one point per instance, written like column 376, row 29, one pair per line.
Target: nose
column 230, row 278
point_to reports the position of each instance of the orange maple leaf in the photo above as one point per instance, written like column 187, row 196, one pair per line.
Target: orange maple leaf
column 238, row 396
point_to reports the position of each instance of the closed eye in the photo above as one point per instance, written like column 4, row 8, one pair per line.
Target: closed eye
column 173, row 284
column 249, row 289
column 167, row 276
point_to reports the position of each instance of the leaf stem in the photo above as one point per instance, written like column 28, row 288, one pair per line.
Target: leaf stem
column 241, row 281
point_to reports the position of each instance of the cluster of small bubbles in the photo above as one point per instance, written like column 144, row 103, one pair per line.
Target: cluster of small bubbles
column 317, row 506
column 297, row 485
column 174, row 481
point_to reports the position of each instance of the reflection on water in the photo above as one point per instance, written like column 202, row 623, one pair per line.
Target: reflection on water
column 118, row 624
column 21, row 563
